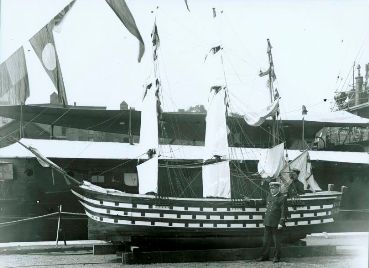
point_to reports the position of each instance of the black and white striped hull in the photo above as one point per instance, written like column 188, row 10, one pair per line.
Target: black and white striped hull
column 113, row 216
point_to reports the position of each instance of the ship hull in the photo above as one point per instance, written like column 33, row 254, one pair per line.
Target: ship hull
column 142, row 218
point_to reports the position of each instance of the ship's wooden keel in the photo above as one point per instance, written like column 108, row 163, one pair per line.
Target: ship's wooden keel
column 208, row 255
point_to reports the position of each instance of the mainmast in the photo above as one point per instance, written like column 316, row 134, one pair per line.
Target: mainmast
column 216, row 175
column 149, row 133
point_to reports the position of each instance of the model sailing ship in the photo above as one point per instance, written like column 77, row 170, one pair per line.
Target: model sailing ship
column 217, row 212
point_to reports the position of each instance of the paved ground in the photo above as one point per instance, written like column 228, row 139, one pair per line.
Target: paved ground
column 352, row 251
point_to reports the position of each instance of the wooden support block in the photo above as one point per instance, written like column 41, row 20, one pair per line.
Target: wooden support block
column 221, row 254
column 106, row 249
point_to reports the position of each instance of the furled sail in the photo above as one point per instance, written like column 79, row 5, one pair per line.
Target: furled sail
column 216, row 138
column 256, row 119
column 301, row 163
column 44, row 46
column 271, row 162
column 124, row 14
column 14, row 87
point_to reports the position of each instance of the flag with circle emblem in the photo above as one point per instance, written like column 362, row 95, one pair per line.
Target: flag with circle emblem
column 44, row 46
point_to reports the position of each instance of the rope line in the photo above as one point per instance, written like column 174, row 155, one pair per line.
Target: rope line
column 29, row 219
column 40, row 217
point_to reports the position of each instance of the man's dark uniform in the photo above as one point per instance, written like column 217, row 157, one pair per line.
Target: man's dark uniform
column 296, row 187
column 276, row 213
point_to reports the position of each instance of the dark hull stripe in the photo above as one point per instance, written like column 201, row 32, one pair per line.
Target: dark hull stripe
column 210, row 223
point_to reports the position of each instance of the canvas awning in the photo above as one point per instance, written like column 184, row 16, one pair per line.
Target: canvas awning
column 115, row 150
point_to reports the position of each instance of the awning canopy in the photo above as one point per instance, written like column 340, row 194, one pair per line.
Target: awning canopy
column 331, row 119
column 114, row 150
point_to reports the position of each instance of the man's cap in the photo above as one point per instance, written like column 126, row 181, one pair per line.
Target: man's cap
column 275, row 183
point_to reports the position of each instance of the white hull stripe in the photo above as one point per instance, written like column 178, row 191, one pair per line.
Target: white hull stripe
column 197, row 225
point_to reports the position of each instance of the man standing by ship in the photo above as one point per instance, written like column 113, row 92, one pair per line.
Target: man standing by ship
column 296, row 187
column 274, row 220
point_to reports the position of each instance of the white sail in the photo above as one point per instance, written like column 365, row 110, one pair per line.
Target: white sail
column 271, row 161
column 302, row 164
column 216, row 180
column 148, row 176
column 255, row 119
column 149, row 121
column 312, row 184
column 216, row 138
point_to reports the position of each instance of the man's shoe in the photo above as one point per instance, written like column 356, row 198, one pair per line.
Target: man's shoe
column 276, row 259
column 262, row 258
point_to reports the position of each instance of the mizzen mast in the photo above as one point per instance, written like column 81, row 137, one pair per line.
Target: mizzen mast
column 273, row 92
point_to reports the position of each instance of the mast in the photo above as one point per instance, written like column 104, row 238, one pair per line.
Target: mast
column 149, row 133
column 271, row 77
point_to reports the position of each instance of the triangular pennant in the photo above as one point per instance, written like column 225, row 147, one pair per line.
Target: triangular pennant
column 121, row 9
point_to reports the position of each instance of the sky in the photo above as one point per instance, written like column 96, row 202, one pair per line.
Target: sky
column 315, row 44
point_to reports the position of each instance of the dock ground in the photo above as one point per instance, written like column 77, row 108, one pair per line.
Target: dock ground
column 352, row 251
